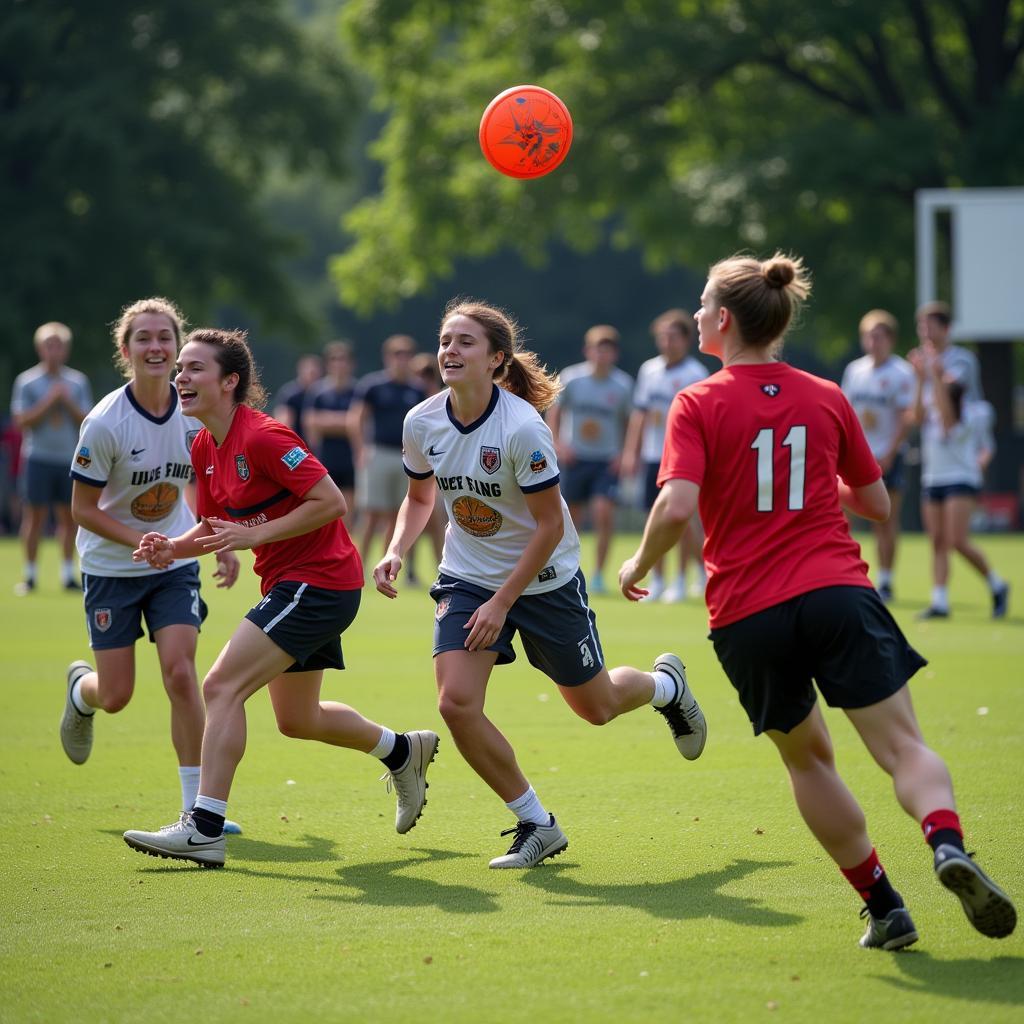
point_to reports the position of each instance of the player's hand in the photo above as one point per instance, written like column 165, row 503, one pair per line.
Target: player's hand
column 227, row 569
column 155, row 549
column 385, row 572
column 485, row 625
column 226, row 536
column 629, row 576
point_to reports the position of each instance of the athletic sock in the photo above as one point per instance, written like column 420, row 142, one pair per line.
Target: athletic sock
column 30, row 572
column 995, row 581
column 885, row 577
column 529, row 808
column 209, row 814
column 78, row 700
column 871, row 881
column 67, row 571
column 665, row 689
column 940, row 598
column 399, row 756
column 943, row 827
column 189, row 776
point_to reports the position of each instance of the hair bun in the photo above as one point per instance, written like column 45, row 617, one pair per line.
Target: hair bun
column 779, row 272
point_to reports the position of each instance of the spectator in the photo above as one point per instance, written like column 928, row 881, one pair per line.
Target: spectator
column 290, row 400
column 325, row 414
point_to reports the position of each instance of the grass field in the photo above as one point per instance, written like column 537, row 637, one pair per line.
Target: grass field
column 688, row 892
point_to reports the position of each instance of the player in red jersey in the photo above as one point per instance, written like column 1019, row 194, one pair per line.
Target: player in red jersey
column 770, row 455
column 259, row 487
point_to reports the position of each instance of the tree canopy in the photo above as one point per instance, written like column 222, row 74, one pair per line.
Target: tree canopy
column 702, row 127
column 135, row 140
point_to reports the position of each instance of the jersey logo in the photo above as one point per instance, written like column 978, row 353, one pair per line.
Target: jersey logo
column 102, row 617
column 190, row 437
column 83, row 458
column 209, row 470
column 547, row 573
column 138, row 451
column 430, row 452
column 155, row 503
column 537, row 461
column 241, row 467
column 771, row 390
column 476, row 518
column 294, row 457
column 490, row 459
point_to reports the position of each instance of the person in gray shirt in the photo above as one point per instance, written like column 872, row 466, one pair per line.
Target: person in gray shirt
column 48, row 403
column 588, row 423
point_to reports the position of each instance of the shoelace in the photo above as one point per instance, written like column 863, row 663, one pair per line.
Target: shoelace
column 677, row 718
column 523, row 830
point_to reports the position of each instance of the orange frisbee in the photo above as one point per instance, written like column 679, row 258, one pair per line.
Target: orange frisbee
column 525, row 132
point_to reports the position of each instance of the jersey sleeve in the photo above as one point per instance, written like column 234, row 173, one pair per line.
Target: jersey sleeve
column 282, row 456
column 641, row 393
column 684, row 456
column 413, row 459
column 906, row 388
column 19, row 402
column 532, row 450
column 857, row 465
column 96, row 454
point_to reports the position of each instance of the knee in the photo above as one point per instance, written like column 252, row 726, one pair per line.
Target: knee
column 595, row 714
column 217, row 689
column 816, row 756
column 296, row 727
column 458, row 711
column 113, row 701
column 180, row 681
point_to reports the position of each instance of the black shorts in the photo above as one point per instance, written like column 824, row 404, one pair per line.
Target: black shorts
column 307, row 622
column 894, row 480
column 651, row 487
column 45, row 483
column 343, row 475
column 942, row 492
column 557, row 628
column 842, row 638
column 589, row 478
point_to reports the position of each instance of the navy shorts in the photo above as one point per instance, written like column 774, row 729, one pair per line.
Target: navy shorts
column 937, row 495
column 589, row 478
column 557, row 628
column 651, row 488
column 842, row 638
column 307, row 622
column 344, row 477
column 895, row 479
column 115, row 605
column 45, row 483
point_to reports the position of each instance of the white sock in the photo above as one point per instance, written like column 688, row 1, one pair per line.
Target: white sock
column 664, row 689
column 885, row 577
column 213, row 805
column 995, row 581
column 78, row 700
column 528, row 808
column 940, row 598
column 67, row 570
column 385, row 744
column 30, row 572
column 189, row 776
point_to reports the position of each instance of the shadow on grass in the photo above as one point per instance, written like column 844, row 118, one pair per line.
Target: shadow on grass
column 695, row 897
column 999, row 980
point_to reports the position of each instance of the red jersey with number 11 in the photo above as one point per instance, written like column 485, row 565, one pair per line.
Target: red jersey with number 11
column 766, row 444
column 261, row 472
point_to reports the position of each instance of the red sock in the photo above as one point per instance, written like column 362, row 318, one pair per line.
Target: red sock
column 943, row 827
column 870, row 880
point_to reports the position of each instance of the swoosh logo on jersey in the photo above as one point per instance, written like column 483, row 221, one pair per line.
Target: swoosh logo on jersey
column 432, row 453
column 138, row 451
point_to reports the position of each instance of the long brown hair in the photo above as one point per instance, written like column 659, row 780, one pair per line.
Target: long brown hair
column 520, row 372
column 233, row 355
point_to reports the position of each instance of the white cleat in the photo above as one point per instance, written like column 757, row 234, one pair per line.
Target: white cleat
column 675, row 592
column 410, row 781
column 180, row 841
column 683, row 713
column 532, row 844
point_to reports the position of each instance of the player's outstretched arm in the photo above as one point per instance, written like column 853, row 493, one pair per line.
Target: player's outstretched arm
column 675, row 505
column 413, row 516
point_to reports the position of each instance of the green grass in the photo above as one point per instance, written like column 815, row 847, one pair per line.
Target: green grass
column 689, row 891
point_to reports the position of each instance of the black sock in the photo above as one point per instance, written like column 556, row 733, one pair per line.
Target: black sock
column 882, row 897
column 397, row 758
column 208, row 823
column 949, row 836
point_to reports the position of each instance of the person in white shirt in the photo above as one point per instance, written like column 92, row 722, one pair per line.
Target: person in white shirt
column 588, row 421
column 130, row 475
column 947, row 395
column 659, row 381
column 880, row 387
column 510, row 563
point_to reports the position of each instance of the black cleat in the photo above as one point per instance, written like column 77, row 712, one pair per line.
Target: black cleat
column 987, row 907
column 894, row 931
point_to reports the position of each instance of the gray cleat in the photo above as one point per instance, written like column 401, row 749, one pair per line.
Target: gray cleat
column 76, row 728
column 894, row 931
column 532, row 844
column 410, row 781
column 683, row 713
column 987, row 907
column 180, row 841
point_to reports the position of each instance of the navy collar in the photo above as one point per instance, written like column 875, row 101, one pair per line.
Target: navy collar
column 148, row 415
column 477, row 422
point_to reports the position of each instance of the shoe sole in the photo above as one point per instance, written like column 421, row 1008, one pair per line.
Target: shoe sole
column 676, row 666
column 424, row 765
column 900, row 942
column 536, row 864
column 987, row 907
column 150, row 851
column 70, row 709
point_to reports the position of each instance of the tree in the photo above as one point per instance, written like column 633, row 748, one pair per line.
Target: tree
column 135, row 139
column 702, row 127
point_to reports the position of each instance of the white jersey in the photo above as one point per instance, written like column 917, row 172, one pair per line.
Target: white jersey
column 143, row 465
column 880, row 395
column 656, row 385
column 951, row 457
column 484, row 472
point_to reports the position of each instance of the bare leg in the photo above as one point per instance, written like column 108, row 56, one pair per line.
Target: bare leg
column 65, row 531
column 302, row 715
column 609, row 694
column 110, row 687
column 32, row 519
column 932, row 514
column 958, row 528
column 603, row 514
column 176, row 648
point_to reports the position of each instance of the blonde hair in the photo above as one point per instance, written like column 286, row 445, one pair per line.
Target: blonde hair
column 763, row 295
column 48, row 330
column 123, row 327
column 520, row 372
column 880, row 318
column 600, row 333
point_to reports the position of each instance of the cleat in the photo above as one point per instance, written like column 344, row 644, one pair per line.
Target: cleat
column 180, row 841
column 885, row 592
column 675, row 592
column 76, row 728
column 1000, row 601
column 931, row 612
column 532, row 844
column 683, row 713
column 24, row 588
column 72, row 585
column 987, row 907
column 232, row 828
column 410, row 781
column 894, row 931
